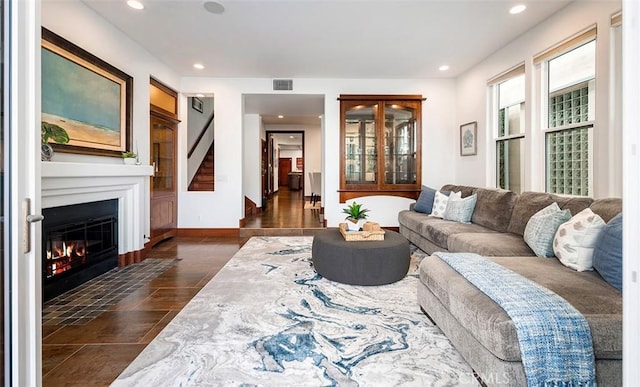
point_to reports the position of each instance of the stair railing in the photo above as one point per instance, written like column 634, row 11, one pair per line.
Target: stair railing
column 200, row 136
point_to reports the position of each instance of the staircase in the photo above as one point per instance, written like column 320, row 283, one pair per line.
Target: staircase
column 203, row 179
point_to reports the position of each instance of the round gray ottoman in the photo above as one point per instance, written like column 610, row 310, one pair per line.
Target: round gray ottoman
column 360, row 263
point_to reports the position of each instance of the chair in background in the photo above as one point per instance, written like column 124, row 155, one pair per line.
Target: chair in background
column 314, row 182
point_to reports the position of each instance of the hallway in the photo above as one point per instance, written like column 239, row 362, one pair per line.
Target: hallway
column 285, row 209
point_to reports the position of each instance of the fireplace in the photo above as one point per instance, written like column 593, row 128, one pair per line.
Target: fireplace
column 79, row 242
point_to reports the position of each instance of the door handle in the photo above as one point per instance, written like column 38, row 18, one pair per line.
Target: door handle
column 29, row 218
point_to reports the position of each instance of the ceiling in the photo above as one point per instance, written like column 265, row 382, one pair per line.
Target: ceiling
column 378, row 39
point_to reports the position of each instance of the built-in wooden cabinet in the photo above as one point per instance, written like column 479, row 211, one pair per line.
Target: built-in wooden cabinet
column 380, row 145
column 163, row 131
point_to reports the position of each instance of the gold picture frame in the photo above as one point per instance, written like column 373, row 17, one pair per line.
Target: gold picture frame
column 89, row 98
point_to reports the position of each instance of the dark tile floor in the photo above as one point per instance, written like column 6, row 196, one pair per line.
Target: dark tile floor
column 87, row 301
column 96, row 352
column 100, row 344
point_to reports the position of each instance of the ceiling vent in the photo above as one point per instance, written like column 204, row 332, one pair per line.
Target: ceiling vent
column 283, row 84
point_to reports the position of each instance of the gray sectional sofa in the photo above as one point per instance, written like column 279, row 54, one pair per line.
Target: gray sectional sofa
column 476, row 325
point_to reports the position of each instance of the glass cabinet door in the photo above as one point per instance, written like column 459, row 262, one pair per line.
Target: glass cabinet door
column 399, row 144
column 360, row 145
column 380, row 145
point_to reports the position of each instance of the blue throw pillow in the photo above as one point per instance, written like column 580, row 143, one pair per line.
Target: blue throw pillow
column 541, row 229
column 607, row 253
column 460, row 210
column 425, row 200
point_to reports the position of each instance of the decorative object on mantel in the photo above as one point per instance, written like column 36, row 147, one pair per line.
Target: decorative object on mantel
column 130, row 158
column 356, row 216
column 51, row 132
column 371, row 231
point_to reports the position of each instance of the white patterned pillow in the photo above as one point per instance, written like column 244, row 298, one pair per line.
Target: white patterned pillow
column 575, row 240
column 440, row 203
column 541, row 229
column 460, row 210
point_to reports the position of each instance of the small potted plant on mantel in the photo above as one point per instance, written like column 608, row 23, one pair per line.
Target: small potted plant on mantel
column 356, row 216
column 129, row 157
column 51, row 132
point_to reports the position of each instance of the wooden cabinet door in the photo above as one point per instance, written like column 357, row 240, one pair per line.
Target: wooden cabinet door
column 164, row 198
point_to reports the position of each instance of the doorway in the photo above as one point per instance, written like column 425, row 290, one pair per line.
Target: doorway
column 285, row 162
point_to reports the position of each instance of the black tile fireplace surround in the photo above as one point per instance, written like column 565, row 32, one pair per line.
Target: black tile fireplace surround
column 79, row 242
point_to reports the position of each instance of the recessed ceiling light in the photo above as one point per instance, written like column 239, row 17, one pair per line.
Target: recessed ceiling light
column 443, row 68
column 291, row 137
column 320, row 116
column 213, row 7
column 135, row 4
column 280, row 116
column 517, row 9
column 198, row 66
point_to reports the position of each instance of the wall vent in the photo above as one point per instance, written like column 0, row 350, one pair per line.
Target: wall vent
column 283, row 84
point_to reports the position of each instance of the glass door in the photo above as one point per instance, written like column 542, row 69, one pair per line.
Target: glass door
column 360, row 156
column 3, row 184
column 20, row 194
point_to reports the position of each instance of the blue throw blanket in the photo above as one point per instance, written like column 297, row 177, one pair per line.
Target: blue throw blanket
column 555, row 340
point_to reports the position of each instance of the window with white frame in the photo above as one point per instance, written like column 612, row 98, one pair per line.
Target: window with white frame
column 570, row 119
column 510, row 133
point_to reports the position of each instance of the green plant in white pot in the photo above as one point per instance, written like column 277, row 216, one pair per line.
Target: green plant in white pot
column 129, row 157
column 51, row 132
column 356, row 216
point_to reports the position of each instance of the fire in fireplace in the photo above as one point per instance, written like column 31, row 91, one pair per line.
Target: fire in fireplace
column 79, row 242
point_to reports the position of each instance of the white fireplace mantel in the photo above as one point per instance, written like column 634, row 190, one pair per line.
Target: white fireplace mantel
column 65, row 183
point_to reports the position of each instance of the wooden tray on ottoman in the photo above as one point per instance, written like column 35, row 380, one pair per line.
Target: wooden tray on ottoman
column 371, row 231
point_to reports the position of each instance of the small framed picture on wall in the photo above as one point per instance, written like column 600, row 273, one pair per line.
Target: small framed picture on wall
column 468, row 139
column 196, row 104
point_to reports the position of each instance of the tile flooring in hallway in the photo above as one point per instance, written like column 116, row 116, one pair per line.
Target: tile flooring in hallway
column 285, row 209
column 94, row 354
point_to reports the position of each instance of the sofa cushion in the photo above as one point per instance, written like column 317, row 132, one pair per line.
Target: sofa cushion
column 600, row 304
column 412, row 220
column 574, row 204
column 607, row 255
column 489, row 244
column 575, row 239
column 460, row 210
column 528, row 203
column 439, row 230
column 464, row 190
column 424, row 203
column 607, row 208
column 541, row 229
column 493, row 208
column 440, row 203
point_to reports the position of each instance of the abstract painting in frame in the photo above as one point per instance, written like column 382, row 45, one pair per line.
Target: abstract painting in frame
column 468, row 139
column 87, row 97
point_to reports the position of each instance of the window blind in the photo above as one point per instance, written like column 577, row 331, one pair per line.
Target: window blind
column 511, row 73
column 564, row 46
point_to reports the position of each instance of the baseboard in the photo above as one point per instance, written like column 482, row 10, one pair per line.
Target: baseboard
column 209, row 232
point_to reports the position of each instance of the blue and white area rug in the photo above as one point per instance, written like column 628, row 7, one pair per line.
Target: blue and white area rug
column 268, row 319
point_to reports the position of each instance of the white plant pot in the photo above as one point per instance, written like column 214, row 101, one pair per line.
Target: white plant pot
column 351, row 226
column 129, row 160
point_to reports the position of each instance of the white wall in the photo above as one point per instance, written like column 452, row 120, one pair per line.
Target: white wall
column 80, row 25
column 439, row 135
column 251, row 176
column 472, row 98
